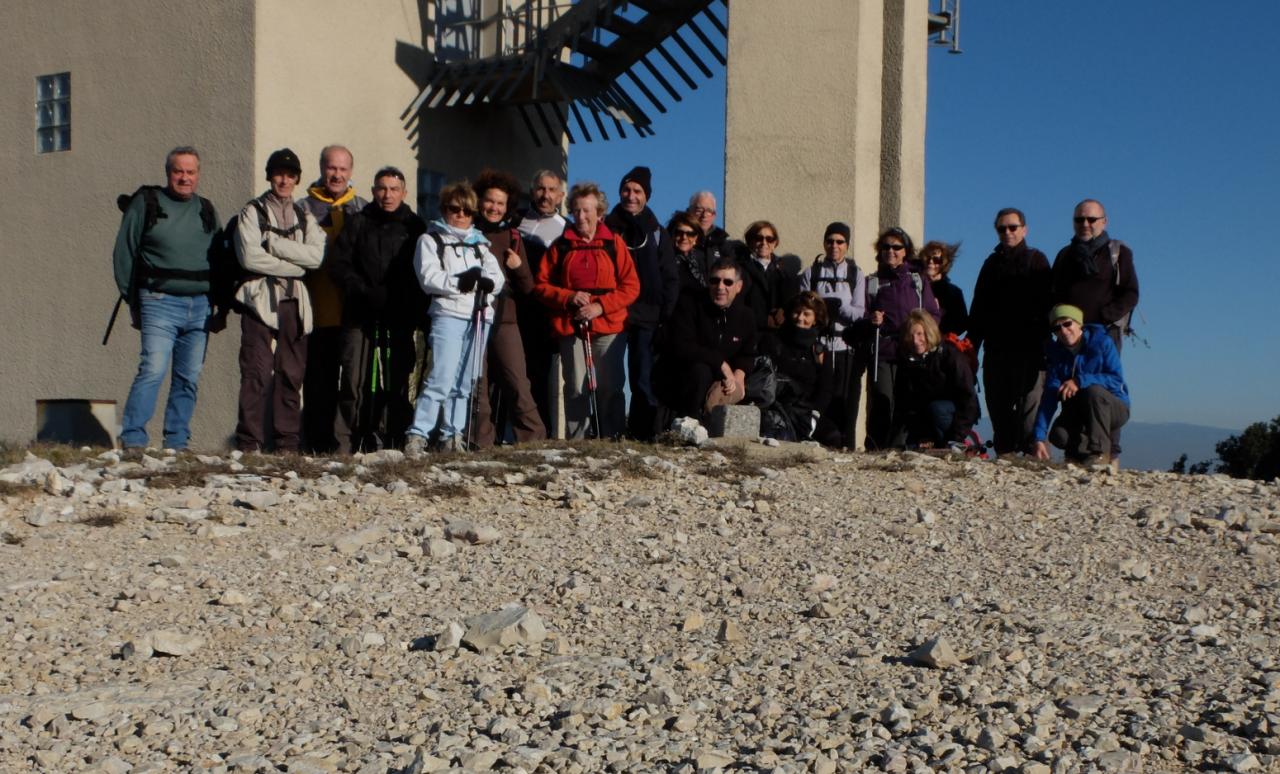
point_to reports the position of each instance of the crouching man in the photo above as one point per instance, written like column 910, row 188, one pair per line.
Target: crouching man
column 710, row 346
column 277, row 240
column 1085, row 376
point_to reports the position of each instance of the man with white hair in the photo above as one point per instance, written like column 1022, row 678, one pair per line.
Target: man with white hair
column 702, row 206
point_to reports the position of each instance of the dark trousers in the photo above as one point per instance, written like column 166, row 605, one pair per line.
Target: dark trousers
column 1089, row 423
column 839, row 420
column 320, row 391
column 1013, row 382
column 929, row 423
column 684, row 387
column 373, row 408
column 880, row 406
column 508, row 393
column 276, row 376
column 644, row 403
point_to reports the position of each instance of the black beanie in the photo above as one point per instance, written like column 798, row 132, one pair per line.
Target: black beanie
column 641, row 176
column 838, row 228
column 284, row 159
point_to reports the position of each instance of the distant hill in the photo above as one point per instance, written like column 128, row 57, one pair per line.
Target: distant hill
column 1155, row 445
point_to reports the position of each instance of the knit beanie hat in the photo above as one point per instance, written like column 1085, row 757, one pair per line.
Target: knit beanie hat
column 838, row 228
column 640, row 176
column 284, row 159
column 1066, row 312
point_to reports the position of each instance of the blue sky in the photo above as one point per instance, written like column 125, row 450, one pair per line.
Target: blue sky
column 1168, row 113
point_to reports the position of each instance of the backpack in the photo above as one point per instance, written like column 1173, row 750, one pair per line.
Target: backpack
column 153, row 212
column 227, row 272
column 441, row 245
column 566, row 246
column 873, row 287
column 815, row 272
column 1124, row 323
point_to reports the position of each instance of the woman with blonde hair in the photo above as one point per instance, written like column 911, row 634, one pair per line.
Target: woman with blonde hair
column 934, row 401
column 457, row 270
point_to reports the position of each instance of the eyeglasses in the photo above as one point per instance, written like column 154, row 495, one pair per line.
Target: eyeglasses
column 1013, row 227
column 458, row 209
column 726, row 281
column 887, row 246
column 684, row 232
column 703, row 211
column 1062, row 326
column 770, row 238
column 836, row 242
column 1090, row 219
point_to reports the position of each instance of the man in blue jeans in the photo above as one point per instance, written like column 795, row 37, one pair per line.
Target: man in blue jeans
column 162, row 266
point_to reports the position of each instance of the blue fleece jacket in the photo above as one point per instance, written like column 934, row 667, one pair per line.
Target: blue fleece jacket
column 1097, row 362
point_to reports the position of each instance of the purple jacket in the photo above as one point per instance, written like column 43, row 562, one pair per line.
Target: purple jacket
column 896, row 293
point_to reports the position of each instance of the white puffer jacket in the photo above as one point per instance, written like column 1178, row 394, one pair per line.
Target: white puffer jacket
column 438, row 273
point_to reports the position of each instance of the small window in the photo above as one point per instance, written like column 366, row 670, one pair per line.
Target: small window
column 53, row 113
column 430, row 184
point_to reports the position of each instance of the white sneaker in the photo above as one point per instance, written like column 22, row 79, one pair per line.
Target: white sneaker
column 415, row 447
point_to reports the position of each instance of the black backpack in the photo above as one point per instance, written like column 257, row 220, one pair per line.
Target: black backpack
column 228, row 274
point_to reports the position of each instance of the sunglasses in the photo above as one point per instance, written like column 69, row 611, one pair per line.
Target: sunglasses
column 887, row 246
column 726, row 281
column 933, row 259
column 684, row 232
column 836, row 242
column 1086, row 219
column 1011, row 229
column 1062, row 326
column 458, row 209
column 764, row 238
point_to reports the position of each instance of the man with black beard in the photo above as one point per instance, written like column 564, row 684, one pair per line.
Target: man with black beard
column 1006, row 323
column 1096, row 274
column 652, row 252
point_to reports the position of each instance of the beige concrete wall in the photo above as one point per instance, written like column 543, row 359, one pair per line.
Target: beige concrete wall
column 825, row 120
column 326, row 73
column 803, row 129
column 905, row 97
column 140, row 84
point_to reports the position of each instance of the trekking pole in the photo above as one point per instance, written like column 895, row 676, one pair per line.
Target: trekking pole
column 589, row 358
column 875, row 359
column 112, row 322
column 477, row 349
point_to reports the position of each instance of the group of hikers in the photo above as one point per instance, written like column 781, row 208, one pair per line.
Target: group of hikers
column 536, row 324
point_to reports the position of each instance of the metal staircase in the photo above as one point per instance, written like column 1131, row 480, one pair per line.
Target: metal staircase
column 576, row 69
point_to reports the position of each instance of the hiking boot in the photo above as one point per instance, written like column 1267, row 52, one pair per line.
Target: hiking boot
column 455, row 444
column 1096, row 460
column 415, row 447
column 132, row 453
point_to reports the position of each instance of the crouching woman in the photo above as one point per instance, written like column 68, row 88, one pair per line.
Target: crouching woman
column 1085, row 376
column 934, row 401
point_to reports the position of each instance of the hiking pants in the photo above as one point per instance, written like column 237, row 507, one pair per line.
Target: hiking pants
column 880, row 406
column 510, row 388
column 320, row 390
column 841, row 413
column 362, row 404
column 609, row 352
column 1089, row 422
column 271, row 376
column 1013, row 382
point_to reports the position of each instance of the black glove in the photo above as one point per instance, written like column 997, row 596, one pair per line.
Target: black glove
column 467, row 280
column 485, row 284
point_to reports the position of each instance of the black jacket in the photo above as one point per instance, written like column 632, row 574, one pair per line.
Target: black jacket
column 1089, row 283
column 940, row 374
column 654, row 257
column 701, row 332
column 955, row 317
column 371, row 262
column 1011, row 301
column 766, row 289
column 807, row 382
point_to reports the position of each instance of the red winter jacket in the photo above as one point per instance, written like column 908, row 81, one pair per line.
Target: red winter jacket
column 616, row 286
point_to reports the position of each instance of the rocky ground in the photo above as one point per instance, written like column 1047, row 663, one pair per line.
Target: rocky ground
column 634, row 608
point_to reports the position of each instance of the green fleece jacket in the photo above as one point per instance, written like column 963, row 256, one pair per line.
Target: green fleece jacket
column 177, row 241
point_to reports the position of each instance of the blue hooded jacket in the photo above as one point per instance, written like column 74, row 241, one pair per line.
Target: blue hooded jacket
column 1097, row 362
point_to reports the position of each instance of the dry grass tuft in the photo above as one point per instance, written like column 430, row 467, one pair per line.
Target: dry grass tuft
column 104, row 519
column 27, row 491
